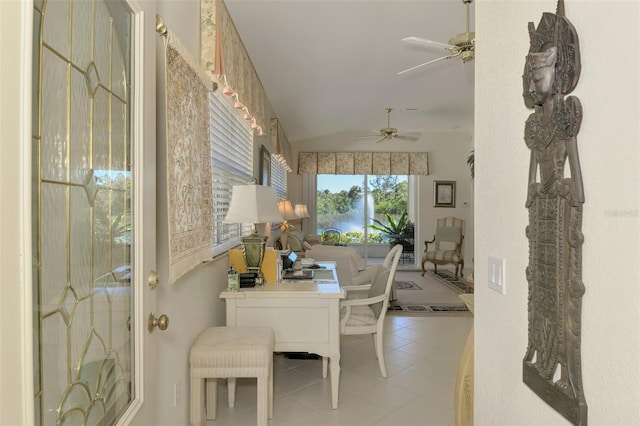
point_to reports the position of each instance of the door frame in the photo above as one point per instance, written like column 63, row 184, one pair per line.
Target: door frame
column 16, row 344
column 16, row 300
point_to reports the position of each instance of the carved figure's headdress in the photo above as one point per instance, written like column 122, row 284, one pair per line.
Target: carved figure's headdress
column 554, row 30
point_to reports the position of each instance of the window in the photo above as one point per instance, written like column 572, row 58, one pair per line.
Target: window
column 350, row 202
column 278, row 178
column 232, row 164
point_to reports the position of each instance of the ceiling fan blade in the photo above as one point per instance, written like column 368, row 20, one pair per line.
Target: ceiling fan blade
column 407, row 138
column 428, row 43
column 366, row 137
column 381, row 139
column 426, row 63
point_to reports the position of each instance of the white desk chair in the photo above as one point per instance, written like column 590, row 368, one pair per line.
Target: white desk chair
column 366, row 315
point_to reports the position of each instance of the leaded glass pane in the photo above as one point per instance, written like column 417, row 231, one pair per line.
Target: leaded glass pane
column 56, row 26
column 54, row 118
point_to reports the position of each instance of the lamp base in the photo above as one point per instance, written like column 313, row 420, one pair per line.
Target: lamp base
column 253, row 248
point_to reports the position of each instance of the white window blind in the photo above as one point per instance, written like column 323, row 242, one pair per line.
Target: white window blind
column 278, row 178
column 232, row 164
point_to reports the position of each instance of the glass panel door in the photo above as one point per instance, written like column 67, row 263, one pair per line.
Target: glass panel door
column 82, row 208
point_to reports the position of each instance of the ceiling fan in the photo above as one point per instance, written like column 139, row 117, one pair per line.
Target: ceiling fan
column 390, row 132
column 462, row 45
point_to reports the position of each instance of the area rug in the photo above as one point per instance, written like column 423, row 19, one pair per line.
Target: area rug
column 407, row 285
column 448, row 278
column 427, row 308
column 428, row 295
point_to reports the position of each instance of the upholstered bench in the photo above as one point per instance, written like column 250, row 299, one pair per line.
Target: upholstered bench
column 230, row 352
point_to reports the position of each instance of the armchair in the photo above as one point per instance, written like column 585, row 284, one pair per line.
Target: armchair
column 447, row 249
column 366, row 315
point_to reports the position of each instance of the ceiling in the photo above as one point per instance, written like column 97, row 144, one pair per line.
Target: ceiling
column 330, row 67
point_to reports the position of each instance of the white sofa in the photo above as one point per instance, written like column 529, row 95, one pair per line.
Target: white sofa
column 349, row 263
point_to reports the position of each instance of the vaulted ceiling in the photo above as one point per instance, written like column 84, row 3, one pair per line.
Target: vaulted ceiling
column 330, row 67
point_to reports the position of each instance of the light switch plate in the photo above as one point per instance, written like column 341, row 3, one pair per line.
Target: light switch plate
column 497, row 274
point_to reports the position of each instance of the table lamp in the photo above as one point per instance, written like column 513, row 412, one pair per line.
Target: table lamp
column 301, row 212
column 286, row 210
column 253, row 204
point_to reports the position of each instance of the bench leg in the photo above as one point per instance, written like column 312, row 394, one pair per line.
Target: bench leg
column 196, row 397
column 231, row 384
column 263, row 400
column 212, row 398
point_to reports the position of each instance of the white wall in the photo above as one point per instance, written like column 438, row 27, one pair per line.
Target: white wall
column 192, row 302
column 610, row 157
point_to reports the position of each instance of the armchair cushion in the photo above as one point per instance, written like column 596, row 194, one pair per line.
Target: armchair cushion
column 443, row 255
column 359, row 316
column 448, row 234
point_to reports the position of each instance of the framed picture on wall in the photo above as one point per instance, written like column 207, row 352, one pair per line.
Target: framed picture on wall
column 444, row 193
column 265, row 166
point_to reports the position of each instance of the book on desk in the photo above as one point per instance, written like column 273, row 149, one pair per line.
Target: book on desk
column 298, row 274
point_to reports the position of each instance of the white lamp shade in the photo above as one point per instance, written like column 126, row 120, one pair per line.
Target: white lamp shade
column 301, row 211
column 286, row 210
column 253, row 204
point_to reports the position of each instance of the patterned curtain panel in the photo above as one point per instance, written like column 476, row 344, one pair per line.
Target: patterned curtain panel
column 363, row 163
column 189, row 191
column 223, row 55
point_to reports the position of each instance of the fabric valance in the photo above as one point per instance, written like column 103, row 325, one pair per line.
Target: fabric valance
column 223, row 55
column 363, row 163
column 280, row 146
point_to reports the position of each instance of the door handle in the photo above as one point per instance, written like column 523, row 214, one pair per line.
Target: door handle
column 161, row 322
column 153, row 280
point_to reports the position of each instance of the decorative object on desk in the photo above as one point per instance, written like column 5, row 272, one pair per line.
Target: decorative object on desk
column 233, row 279
column 268, row 268
column 253, row 204
column 248, row 279
column 444, row 193
column 552, row 364
column 287, row 213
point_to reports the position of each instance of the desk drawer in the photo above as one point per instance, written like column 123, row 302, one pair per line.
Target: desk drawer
column 290, row 325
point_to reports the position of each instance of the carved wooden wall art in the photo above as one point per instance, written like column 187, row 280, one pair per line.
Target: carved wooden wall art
column 552, row 363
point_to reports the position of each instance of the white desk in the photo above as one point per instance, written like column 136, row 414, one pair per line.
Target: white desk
column 304, row 315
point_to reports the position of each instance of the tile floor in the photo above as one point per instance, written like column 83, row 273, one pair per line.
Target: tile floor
column 422, row 355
